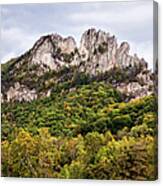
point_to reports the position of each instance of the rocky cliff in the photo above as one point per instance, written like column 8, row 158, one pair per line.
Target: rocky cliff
column 54, row 59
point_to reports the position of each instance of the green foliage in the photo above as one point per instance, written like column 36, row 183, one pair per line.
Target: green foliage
column 29, row 156
column 80, row 79
column 83, row 130
column 102, row 48
column 68, row 57
column 120, row 121
column 150, row 119
column 129, row 158
column 141, row 130
column 95, row 156
column 78, row 111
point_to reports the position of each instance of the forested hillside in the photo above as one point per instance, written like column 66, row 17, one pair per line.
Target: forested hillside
column 87, row 113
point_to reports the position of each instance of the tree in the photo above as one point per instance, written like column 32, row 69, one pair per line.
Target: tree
column 129, row 158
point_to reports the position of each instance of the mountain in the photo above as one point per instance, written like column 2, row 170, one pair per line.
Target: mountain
column 54, row 60
column 86, row 112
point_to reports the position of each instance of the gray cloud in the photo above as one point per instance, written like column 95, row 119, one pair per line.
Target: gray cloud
column 22, row 24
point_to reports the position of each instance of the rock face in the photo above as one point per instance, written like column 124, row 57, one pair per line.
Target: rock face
column 20, row 93
column 98, row 53
column 52, row 52
column 134, row 89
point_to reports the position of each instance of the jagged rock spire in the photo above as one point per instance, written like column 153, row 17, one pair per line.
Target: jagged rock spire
column 98, row 53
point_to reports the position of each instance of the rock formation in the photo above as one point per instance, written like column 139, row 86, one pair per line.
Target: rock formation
column 97, row 54
column 20, row 93
column 53, row 51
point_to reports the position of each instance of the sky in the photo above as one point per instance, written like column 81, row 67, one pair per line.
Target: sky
column 23, row 24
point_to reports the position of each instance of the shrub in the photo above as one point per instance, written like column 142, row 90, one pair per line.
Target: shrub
column 119, row 122
column 102, row 48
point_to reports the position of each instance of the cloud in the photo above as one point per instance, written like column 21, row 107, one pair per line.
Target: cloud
column 131, row 21
column 8, row 56
column 104, row 16
column 15, row 41
column 126, row 19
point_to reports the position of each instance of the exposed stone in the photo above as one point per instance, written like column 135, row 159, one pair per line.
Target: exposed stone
column 101, row 53
column 2, row 98
column 20, row 93
column 134, row 89
column 49, row 51
column 97, row 54
column 67, row 45
column 48, row 93
column 98, row 49
column 145, row 78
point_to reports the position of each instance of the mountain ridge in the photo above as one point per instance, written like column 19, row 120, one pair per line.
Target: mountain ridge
column 99, row 57
column 87, row 112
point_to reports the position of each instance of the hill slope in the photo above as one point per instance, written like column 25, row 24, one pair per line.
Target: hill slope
column 87, row 112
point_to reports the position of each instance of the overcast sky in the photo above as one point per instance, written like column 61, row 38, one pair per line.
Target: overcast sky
column 22, row 25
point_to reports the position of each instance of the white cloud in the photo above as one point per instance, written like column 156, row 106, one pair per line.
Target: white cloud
column 129, row 21
column 106, row 16
column 133, row 13
column 8, row 57
column 15, row 41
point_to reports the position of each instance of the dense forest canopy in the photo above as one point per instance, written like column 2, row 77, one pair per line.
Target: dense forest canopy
column 85, row 133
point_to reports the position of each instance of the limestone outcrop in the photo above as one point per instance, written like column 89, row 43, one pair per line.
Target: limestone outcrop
column 20, row 93
column 52, row 52
column 97, row 54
